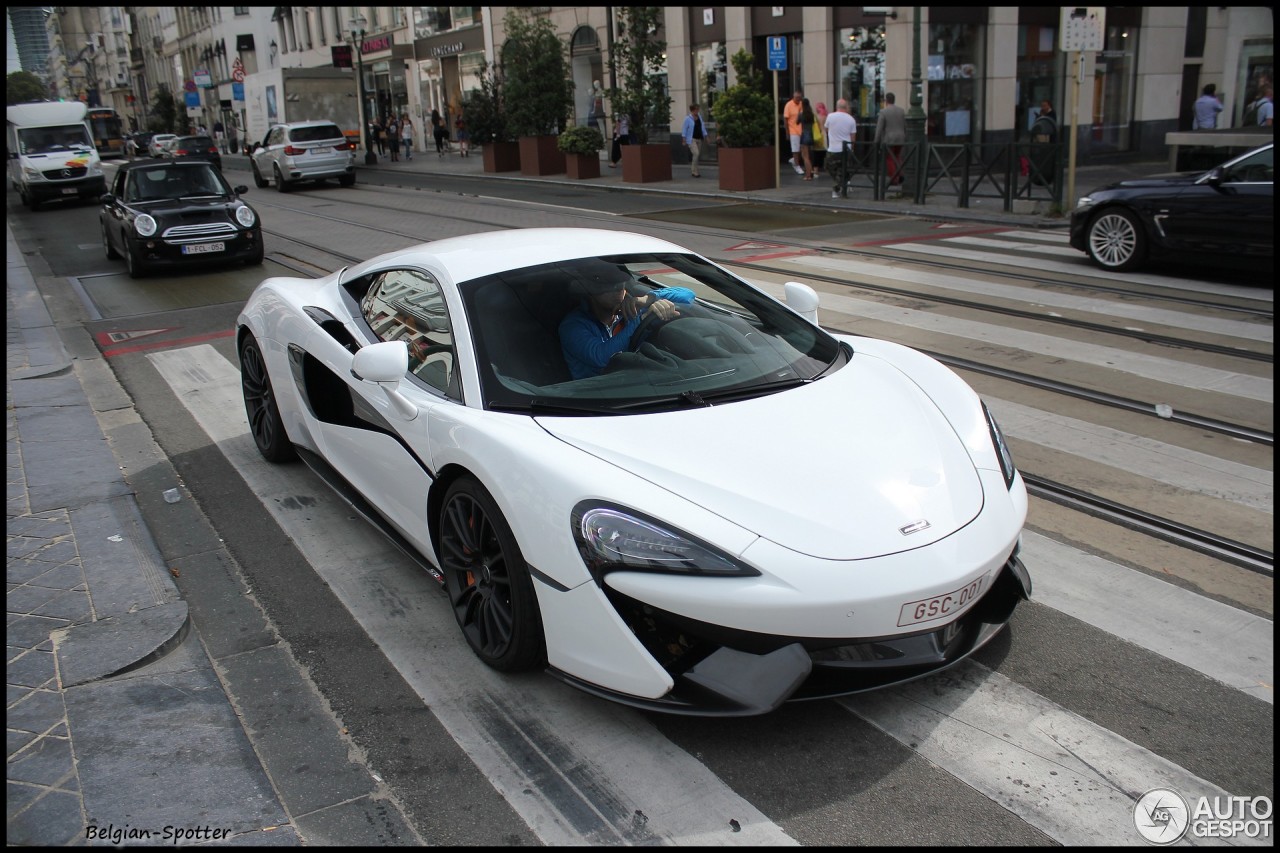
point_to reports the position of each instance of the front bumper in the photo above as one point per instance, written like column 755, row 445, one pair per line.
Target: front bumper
column 244, row 245
column 731, row 673
column 89, row 187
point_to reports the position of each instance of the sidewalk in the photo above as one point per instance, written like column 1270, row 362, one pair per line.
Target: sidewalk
column 120, row 713
column 793, row 189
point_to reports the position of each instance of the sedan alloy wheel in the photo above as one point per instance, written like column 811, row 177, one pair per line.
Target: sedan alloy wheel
column 1116, row 241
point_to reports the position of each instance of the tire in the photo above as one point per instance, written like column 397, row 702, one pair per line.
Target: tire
column 260, row 406
column 281, row 184
column 347, row 181
column 112, row 254
column 136, row 266
column 257, row 258
column 31, row 201
column 258, row 180
column 488, row 581
column 1116, row 240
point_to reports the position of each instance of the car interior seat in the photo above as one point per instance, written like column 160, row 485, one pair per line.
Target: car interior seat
column 518, row 320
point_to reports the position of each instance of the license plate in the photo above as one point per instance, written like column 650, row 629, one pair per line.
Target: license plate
column 70, row 192
column 940, row 606
column 321, row 150
column 202, row 248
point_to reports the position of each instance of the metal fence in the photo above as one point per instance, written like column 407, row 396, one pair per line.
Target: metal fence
column 1003, row 171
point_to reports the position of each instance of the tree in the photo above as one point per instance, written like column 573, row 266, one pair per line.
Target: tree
column 744, row 114
column 482, row 108
column 636, row 62
column 164, row 111
column 22, row 87
column 537, row 89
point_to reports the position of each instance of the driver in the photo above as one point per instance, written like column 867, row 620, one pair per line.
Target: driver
column 602, row 324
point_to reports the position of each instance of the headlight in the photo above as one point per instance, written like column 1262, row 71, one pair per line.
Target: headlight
column 144, row 225
column 1002, row 449
column 1084, row 201
column 244, row 215
column 612, row 539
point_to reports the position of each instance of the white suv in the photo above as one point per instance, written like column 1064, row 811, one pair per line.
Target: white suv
column 303, row 151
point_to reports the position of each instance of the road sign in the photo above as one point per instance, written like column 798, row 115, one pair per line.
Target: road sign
column 1083, row 27
column 189, row 86
column 237, row 70
column 777, row 53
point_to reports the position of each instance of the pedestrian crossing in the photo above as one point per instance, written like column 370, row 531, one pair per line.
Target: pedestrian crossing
column 582, row 771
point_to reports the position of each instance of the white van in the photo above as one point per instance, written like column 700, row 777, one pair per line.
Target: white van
column 51, row 153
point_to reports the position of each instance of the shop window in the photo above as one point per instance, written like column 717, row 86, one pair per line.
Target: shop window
column 955, row 82
column 860, row 58
column 1039, row 69
column 1113, row 90
column 710, row 75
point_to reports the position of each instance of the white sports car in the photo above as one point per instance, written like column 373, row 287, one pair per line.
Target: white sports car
column 628, row 465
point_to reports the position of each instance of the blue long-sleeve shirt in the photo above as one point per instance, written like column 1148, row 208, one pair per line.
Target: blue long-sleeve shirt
column 588, row 344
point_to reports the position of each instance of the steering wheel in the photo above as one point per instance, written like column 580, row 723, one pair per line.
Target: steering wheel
column 649, row 324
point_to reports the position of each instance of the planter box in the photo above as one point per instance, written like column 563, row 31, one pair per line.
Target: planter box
column 540, row 156
column 580, row 166
column 643, row 164
column 501, row 156
column 746, row 169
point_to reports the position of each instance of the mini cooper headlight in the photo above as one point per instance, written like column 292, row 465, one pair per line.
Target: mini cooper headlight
column 1002, row 449
column 612, row 539
column 244, row 215
column 144, row 225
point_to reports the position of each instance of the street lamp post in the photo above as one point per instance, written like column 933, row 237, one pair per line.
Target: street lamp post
column 357, row 25
column 917, row 174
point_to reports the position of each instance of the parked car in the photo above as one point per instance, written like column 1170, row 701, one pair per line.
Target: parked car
column 303, row 151
column 140, row 143
column 157, row 143
column 1228, row 210
column 738, row 510
column 173, row 213
column 195, row 147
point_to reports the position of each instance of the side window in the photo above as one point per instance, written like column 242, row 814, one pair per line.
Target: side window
column 1254, row 169
column 407, row 305
column 117, row 186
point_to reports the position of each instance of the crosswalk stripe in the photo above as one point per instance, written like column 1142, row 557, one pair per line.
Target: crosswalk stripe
column 1138, row 364
column 976, row 285
column 500, row 721
column 1058, row 237
column 990, row 243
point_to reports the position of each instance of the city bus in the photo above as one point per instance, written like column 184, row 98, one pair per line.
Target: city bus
column 108, row 131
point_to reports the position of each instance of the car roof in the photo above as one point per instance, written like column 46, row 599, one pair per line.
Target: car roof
column 311, row 123
column 476, row 255
column 164, row 162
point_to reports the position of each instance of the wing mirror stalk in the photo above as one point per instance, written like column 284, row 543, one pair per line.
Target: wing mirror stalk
column 385, row 364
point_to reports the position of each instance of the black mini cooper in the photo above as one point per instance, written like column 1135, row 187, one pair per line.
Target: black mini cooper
column 171, row 213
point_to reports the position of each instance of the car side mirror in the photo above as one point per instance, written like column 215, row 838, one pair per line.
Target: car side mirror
column 1216, row 176
column 241, row 190
column 385, row 364
column 106, row 198
column 802, row 299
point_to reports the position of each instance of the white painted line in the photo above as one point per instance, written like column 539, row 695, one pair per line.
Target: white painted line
column 1075, row 781
column 989, row 243
column 966, row 285
column 1226, row 644
column 1008, row 338
column 1060, row 237
column 1176, row 466
column 576, row 768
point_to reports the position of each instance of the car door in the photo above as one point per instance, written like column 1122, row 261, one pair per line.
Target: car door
column 1228, row 211
column 383, row 455
column 262, row 156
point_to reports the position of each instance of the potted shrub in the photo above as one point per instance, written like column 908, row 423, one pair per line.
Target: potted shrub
column 636, row 62
column 744, row 115
column 581, row 148
column 538, row 92
column 487, row 124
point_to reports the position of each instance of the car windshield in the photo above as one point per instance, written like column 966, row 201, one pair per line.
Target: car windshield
column 48, row 140
column 186, row 180
column 728, row 342
column 194, row 143
column 315, row 134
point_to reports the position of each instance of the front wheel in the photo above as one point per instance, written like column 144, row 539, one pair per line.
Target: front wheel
column 488, row 580
column 112, row 254
column 347, row 181
column 1116, row 240
column 260, row 405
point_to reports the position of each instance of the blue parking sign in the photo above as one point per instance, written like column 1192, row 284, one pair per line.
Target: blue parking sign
column 777, row 53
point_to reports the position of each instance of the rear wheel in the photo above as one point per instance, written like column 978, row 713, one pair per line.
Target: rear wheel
column 1116, row 241
column 258, row 180
column 347, row 181
column 488, row 580
column 281, row 184
column 260, row 405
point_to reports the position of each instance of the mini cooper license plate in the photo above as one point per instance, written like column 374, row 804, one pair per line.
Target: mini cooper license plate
column 940, row 606
column 69, row 191
column 202, row 248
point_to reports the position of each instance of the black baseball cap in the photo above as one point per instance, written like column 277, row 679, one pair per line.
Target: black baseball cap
column 599, row 276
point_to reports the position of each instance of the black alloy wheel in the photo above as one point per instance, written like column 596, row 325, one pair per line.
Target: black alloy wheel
column 132, row 263
column 260, row 405
column 488, row 581
column 258, row 180
column 281, row 184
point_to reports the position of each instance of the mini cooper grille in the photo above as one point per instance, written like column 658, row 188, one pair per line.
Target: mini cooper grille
column 201, row 231
column 66, row 173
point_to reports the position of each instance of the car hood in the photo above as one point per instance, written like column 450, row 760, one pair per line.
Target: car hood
column 168, row 205
column 1171, row 179
column 835, row 469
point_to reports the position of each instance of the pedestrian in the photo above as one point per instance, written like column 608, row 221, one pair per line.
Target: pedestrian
column 464, row 135
column 1044, row 138
column 791, row 115
column 393, row 137
column 380, row 134
column 692, row 132
column 891, row 132
column 820, row 148
column 806, row 138
column 841, row 128
column 621, row 137
column 1207, row 107
column 232, row 139
column 438, row 131
column 1266, row 109
column 406, row 136
column 203, row 131
column 218, row 132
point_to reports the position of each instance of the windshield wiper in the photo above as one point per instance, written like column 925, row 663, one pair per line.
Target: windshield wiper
column 545, row 407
